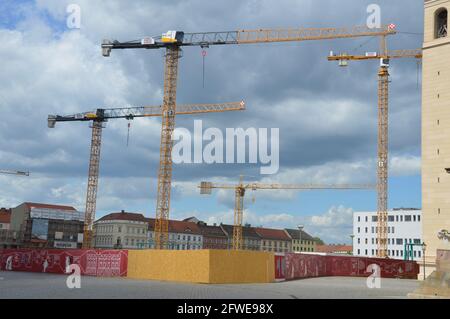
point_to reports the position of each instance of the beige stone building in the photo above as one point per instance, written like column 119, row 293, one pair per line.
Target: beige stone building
column 120, row 230
column 301, row 240
column 436, row 128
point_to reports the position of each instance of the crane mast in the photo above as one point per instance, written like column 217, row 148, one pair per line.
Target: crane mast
column 241, row 187
column 383, row 130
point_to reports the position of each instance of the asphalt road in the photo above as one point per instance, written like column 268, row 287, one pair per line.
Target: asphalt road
column 16, row 285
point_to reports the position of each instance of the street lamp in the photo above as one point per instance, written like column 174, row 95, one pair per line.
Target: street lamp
column 352, row 236
column 424, row 247
column 300, row 227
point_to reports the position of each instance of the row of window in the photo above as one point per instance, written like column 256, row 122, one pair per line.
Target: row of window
column 274, row 243
column 304, row 242
column 391, row 253
column 392, row 241
column 396, row 218
column 390, row 229
column 183, row 237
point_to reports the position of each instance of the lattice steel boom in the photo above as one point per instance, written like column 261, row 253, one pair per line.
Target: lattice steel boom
column 241, row 187
column 383, row 129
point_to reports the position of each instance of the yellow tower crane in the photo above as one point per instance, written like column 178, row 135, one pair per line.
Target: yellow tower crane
column 172, row 42
column 241, row 187
column 383, row 102
column 98, row 118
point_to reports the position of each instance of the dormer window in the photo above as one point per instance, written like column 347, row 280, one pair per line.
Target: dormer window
column 441, row 23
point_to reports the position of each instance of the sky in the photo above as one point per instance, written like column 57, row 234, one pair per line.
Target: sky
column 326, row 115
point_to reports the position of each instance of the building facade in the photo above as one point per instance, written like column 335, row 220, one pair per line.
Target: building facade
column 275, row 240
column 436, row 128
column 5, row 218
column 183, row 235
column 120, row 230
column 404, row 228
column 250, row 238
column 47, row 225
column 301, row 241
column 213, row 236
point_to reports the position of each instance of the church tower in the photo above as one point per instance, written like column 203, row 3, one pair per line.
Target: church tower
column 436, row 128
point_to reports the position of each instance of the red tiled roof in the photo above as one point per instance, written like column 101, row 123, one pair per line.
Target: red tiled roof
column 51, row 206
column 275, row 234
column 212, row 231
column 125, row 216
column 176, row 226
column 333, row 248
column 5, row 218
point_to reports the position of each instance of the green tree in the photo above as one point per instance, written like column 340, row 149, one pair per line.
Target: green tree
column 319, row 241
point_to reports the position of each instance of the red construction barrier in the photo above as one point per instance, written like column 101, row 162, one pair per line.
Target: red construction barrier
column 105, row 263
column 280, row 267
column 306, row 265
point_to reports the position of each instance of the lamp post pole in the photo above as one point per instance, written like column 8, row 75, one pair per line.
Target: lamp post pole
column 300, row 227
column 424, row 247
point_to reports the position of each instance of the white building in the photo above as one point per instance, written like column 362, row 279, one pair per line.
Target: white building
column 120, row 230
column 404, row 227
column 183, row 235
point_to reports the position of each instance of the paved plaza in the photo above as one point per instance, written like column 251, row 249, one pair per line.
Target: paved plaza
column 37, row 285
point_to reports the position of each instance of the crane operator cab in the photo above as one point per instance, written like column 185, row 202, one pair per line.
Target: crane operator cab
column 172, row 37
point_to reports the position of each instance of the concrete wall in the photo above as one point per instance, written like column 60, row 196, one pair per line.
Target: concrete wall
column 201, row 266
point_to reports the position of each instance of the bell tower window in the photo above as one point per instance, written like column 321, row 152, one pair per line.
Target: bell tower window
column 441, row 23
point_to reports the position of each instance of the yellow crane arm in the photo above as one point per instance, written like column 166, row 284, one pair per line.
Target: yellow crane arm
column 393, row 54
column 206, row 187
column 304, row 34
column 149, row 111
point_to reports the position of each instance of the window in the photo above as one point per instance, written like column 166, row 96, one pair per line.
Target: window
column 401, row 218
column 396, row 218
column 391, row 218
column 416, row 241
column 419, row 253
column 441, row 23
column 366, row 218
column 119, row 229
column 393, row 230
column 366, row 252
column 359, row 218
column 399, row 241
column 359, row 251
column 359, row 240
column 366, row 241
column 414, row 218
column 374, row 218
column 373, row 252
column 418, row 218
column 407, row 218
column 359, row 230
column 373, row 230
column 367, row 230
